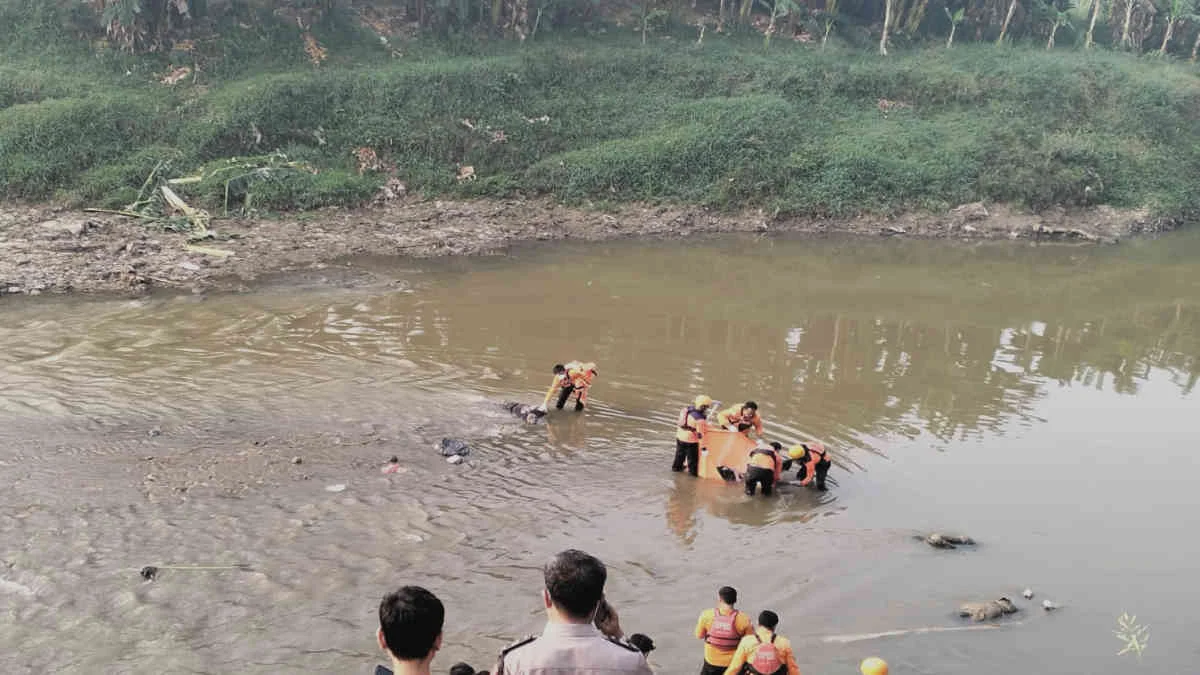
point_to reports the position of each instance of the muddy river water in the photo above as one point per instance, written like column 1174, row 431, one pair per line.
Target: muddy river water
column 1040, row 399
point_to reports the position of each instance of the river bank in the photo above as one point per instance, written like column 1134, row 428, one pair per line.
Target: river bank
column 49, row 249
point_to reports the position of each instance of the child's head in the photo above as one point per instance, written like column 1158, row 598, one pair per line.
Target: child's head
column 462, row 669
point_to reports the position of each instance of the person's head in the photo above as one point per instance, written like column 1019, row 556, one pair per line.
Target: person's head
column 749, row 408
column 643, row 642
column 462, row 669
column 410, row 624
column 559, row 369
column 607, row 620
column 768, row 619
column 777, row 446
column 574, row 585
column 702, row 403
column 727, row 595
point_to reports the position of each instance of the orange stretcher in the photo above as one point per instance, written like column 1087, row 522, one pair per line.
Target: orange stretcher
column 725, row 448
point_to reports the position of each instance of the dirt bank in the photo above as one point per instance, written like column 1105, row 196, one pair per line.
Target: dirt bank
column 52, row 250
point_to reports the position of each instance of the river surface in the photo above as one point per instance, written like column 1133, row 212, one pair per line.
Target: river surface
column 1041, row 399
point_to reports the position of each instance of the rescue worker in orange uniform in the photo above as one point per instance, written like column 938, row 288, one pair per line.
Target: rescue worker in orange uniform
column 689, row 432
column 741, row 418
column 814, row 462
column 763, row 467
column 764, row 652
column 572, row 378
column 722, row 629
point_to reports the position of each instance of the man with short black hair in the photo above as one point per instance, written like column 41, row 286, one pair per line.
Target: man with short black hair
column 571, row 644
column 764, row 652
column 410, row 629
column 741, row 418
column 721, row 628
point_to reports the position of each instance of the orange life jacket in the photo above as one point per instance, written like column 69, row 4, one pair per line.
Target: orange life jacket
column 579, row 375
column 689, row 429
column 765, row 452
column 765, row 659
column 723, row 633
column 813, row 454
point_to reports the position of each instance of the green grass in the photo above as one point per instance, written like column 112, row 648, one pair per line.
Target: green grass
column 729, row 126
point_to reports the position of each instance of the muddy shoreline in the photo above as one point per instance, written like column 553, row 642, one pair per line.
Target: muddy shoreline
column 46, row 249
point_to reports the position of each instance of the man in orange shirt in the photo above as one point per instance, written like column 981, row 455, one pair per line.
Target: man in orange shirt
column 721, row 628
column 764, row 652
column 741, row 418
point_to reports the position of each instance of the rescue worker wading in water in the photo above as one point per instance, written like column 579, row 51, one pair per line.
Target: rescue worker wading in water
column 722, row 629
column 689, row 432
column 814, row 462
column 741, row 418
column 763, row 468
column 572, row 378
column 764, row 652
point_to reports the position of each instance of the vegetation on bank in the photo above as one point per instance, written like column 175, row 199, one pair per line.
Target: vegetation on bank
column 266, row 114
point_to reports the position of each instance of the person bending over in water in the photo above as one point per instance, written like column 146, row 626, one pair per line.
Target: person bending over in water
column 572, row 378
column 763, row 467
column 814, row 462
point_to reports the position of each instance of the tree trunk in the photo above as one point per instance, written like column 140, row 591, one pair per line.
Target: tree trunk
column 1012, row 7
column 496, row 7
column 950, row 40
column 1053, row 32
column 744, row 11
column 825, row 37
column 721, row 17
column 1195, row 47
column 1088, row 42
column 887, row 21
column 1128, row 20
column 770, row 26
column 1167, row 36
column 916, row 14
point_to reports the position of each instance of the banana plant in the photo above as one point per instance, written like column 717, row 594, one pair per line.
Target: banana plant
column 955, row 19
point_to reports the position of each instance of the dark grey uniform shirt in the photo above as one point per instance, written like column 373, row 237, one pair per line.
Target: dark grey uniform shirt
column 571, row 649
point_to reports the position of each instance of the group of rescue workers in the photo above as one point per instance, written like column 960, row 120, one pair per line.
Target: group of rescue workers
column 765, row 462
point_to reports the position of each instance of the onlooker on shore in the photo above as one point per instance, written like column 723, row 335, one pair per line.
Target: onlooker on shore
column 721, row 628
column 410, row 629
column 571, row 644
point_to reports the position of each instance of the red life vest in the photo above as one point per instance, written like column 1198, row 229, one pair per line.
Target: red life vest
column 723, row 633
column 765, row 660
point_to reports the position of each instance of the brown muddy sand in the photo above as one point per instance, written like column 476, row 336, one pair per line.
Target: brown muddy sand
column 54, row 250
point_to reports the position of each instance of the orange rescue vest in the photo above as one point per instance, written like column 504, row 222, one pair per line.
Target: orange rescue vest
column 765, row 660
column 688, row 431
column 723, row 633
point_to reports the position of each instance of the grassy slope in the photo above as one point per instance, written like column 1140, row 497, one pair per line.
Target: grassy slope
column 727, row 125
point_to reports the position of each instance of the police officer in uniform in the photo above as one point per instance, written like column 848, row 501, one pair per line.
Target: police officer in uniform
column 571, row 644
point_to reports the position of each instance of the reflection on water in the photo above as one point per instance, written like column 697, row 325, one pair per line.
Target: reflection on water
column 957, row 385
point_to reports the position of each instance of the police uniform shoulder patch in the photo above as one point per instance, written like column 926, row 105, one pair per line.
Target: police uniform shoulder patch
column 519, row 643
column 621, row 643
